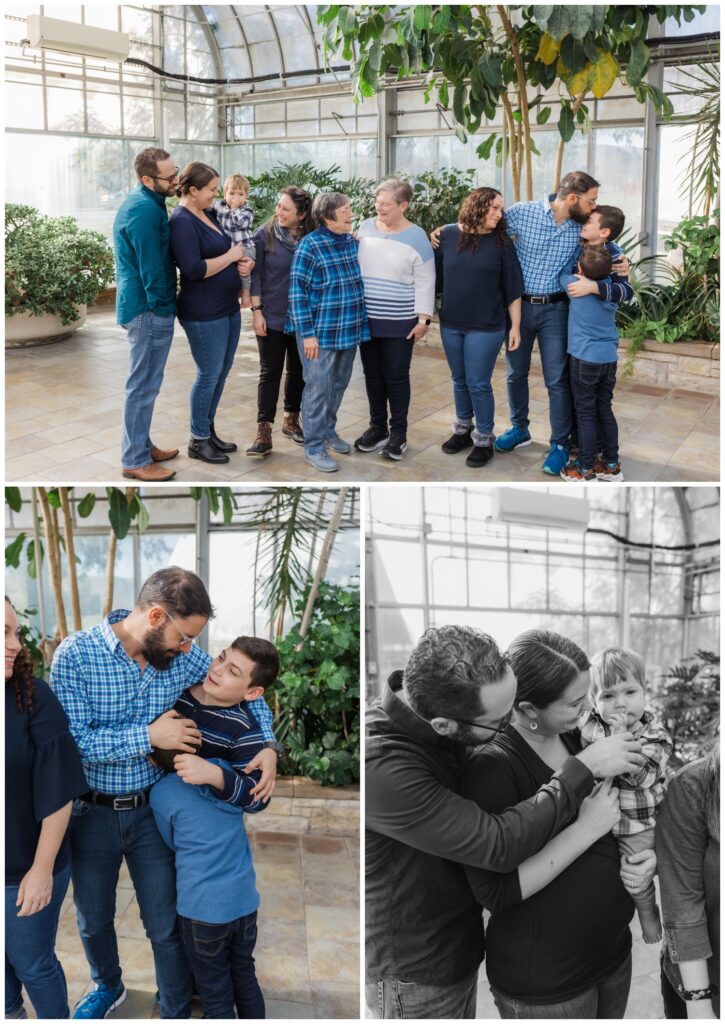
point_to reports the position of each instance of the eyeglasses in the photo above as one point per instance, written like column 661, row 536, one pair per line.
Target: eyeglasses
column 183, row 638
column 493, row 729
column 157, row 177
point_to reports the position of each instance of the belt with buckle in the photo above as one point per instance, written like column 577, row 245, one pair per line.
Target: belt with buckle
column 543, row 300
column 119, row 802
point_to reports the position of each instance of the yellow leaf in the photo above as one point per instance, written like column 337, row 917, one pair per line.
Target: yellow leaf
column 548, row 49
column 579, row 82
column 604, row 74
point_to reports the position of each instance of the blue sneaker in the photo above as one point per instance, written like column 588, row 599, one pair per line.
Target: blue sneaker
column 556, row 460
column 512, row 438
column 322, row 461
column 337, row 444
column 98, row 1004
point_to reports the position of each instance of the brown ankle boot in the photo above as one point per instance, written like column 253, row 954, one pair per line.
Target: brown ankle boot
column 262, row 442
column 292, row 428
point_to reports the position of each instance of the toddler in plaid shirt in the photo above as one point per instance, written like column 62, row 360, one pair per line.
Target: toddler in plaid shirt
column 618, row 696
column 235, row 217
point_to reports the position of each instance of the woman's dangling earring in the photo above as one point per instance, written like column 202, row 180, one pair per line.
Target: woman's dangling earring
column 533, row 726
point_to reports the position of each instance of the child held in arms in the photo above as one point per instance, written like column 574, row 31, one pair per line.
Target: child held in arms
column 235, row 217
column 199, row 810
column 618, row 696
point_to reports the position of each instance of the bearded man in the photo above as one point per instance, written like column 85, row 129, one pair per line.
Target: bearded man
column 118, row 683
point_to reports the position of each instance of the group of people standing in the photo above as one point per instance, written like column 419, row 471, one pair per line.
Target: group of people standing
column 318, row 290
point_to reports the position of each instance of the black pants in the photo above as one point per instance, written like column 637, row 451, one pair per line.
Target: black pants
column 592, row 386
column 386, row 363
column 273, row 349
column 221, row 960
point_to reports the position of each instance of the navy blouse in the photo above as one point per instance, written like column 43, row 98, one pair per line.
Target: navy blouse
column 43, row 772
column 477, row 287
column 193, row 243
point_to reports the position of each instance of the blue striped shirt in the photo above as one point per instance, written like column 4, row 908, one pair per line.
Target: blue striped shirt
column 110, row 703
column 326, row 296
column 544, row 248
column 398, row 272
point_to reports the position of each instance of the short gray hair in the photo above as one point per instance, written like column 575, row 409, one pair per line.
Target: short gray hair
column 402, row 190
column 325, row 205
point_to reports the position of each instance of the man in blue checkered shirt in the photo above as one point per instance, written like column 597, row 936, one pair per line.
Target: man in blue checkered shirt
column 327, row 312
column 118, row 683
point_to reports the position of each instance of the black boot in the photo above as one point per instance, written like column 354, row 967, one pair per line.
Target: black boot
column 457, row 442
column 481, row 454
column 205, row 451
column 221, row 446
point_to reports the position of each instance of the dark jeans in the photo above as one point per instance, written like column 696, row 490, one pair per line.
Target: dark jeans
column 30, row 958
column 100, row 839
column 549, row 324
column 386, row 363
column 605, row 1001
column 391, row 999
column 220, row 957
column 273, row 349
column 213, row 345
column 675, row 1005
column 592, row 385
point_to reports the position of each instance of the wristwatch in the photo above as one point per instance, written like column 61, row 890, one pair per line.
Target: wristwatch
column 274, row 745
column 254, row 309
column 424, row 320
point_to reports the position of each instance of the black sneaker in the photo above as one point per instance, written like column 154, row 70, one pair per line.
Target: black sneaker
column 481, row 454
column 394, row 448
column 373, row 438
column 457, row 442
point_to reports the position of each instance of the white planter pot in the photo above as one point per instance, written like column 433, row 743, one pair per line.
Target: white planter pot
column 25, row 330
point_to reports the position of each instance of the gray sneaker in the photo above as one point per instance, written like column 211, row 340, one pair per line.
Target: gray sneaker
column 337, row 444
column 322, row 461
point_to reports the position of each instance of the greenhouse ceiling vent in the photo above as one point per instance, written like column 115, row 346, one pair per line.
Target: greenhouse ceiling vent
column 70, row 37
column 534, row 508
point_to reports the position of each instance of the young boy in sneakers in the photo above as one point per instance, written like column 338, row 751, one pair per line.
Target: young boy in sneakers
column 235, row 217
column 592, row 347
column 198, row 807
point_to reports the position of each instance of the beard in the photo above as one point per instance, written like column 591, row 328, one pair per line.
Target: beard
column 154, row 651
column 577, row 214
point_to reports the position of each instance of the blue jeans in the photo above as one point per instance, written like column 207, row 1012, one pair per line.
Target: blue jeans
column 149, row 341
column 30, row 958
column 221, row 960
column 549, row 324
column 391, row 999
column 213, row 345
column 100, row 839
column 471, row 357
column 605, row 1001
column 386, row 362
column 325, row 381
column 592, row 386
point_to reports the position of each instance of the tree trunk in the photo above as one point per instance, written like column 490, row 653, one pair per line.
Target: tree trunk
column 324, row 559
column 70, row 552
column 52, row 551
column 523, row 96
column 512, row 147
column 560, row 148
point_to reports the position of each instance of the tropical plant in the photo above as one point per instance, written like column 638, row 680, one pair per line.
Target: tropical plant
column 318, row 690
column 485, row 56
column 687, row 699
column 51, row 265
column 701, row 180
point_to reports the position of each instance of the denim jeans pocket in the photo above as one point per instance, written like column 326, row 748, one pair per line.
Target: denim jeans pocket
column 250, row 928
column 80, row 807
column 209, row 939
column 587, row 373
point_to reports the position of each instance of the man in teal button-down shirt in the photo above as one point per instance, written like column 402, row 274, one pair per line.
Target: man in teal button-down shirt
column 145, row 307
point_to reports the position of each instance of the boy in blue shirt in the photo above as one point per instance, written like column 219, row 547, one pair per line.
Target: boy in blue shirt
column 592, row 347
column 198, row 810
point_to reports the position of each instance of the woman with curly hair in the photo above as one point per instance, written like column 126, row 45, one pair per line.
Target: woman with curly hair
column 480, row 278
column 43, row 774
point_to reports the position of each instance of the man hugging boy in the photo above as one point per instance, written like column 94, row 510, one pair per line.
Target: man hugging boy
column 235, row 217
column 618, row 697
column 199, row 810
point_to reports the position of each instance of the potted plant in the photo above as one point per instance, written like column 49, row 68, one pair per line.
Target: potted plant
column 53, row 270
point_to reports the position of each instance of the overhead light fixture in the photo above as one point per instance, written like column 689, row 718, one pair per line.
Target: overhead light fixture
column 70, row 37
column 537, row 508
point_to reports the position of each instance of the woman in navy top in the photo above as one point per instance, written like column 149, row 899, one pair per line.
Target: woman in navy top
column 208, row 302
column 482, row 285
column 43, row 773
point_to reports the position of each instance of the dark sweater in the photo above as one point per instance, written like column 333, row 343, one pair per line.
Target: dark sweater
column 270, row 278
column 572, row 933
column 423, row 923
column 193, row 243
column 477, row 287
column 43, row 772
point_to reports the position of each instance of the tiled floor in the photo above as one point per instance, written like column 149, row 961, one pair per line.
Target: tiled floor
column 64, row 401
column 307, row 954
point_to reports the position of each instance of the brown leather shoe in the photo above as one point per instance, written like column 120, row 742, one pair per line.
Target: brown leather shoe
column 163, row 454
column 152, row 473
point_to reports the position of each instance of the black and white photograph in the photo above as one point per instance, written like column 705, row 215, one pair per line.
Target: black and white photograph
column 542, row 752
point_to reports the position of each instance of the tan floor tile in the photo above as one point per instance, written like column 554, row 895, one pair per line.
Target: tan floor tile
column 285, row 977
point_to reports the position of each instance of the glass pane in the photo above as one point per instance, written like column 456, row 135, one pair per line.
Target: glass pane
column 618, row 154
column 488, row 580
column 104, row 113
column 102, row 17
column 23, row 106
column 137, row 22
column 397, row 631
column 174, row 119
column 398, row 572
column 528, row 582
column 565, row 585
column 173, row 45
column 138, row 115
column 65, row 110
column 201, row 121
column 363, row 158
column 600, row 590
column 389, row 514
column 602, row 631
column 576, row 157
column 410, row 153
column 658, row 641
